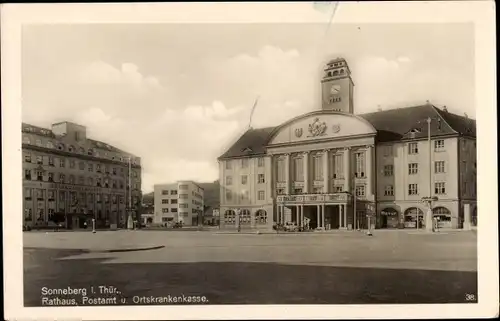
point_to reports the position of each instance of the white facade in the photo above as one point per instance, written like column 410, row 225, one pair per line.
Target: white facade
column 180, row 202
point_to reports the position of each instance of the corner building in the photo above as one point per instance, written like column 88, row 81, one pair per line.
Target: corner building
column 180, row 202
column 333, row 169
column 70, row 179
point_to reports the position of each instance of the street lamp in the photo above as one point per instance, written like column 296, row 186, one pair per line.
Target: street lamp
column 129, row 209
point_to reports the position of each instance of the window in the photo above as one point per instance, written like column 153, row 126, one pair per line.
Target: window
column 280, row 191
column 62, row 178
column 439, row 167
column 281, row 170
column 62, row 162
column 51, row 177
column 412, row 189
column 164, row 210
column 261, row 196
column 39, row 194
column 39, row 175
column 318, row 167
column 183, row 196
column 27, row 174
column 260, row 162
column 81, row 180
column 244, row 163
column 99, row 181
column 413, row 148
column 260, row 179
column 91, row 181
column 114, row 184
column 27, row 193
column 106, row 183
column 439, row 145
column 244, row 196
column 39, row 160
column 338, row 166
column 173, row 192
column 228, row 164
column 389, row 190
column 164, row 192
column 114, row 170
column 51, row 161
column 464, row 187
column 52, row 195
column 173, row 201
column 360, row 190
column 412, row 168
column 98, row 168
column 164, row 201
column 317, row 190
column 338, row 188
column 173, row 210
column 27, row 158
column 388, row 170
column 229, row 180
column 38, row 142
column 229, row 196
column 106, row 169
column 360, row 164
column 439, row 188
column 297, row 191
column 183, row 187
column 98, row 198
column 121, row 184
column 26, row 140
column 106, row 198
column 183, row 205
column 82, row 165
column 71, row 164
column 298, row 167
column 244, row 179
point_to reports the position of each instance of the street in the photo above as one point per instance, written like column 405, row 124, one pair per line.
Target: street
column 318, row 268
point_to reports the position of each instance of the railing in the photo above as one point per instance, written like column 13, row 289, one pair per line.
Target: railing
column 313, row 198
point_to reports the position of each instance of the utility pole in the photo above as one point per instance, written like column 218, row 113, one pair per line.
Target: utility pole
column 129, row 212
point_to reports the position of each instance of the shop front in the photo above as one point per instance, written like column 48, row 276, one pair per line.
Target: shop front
column 389, row 218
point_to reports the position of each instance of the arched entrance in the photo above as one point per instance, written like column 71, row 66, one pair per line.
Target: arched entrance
column 229, row 217
column 260, row 217
column 443, row 216
column 414, row 215
column 389, row 218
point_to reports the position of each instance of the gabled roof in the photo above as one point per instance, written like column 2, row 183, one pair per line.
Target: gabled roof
column 391, row 125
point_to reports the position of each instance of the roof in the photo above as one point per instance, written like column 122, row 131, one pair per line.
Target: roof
column 391, row 125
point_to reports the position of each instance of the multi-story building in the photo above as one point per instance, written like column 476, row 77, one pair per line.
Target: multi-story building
column 180, row 202
column 332, row 168
column 70, row 179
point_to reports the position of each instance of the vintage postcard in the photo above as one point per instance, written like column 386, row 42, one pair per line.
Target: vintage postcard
column 249, row 160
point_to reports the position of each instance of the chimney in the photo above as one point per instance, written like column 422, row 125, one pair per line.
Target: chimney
column 466, row 116
column 445, row 109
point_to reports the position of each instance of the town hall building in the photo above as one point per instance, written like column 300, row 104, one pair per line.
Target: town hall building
column 335, row 169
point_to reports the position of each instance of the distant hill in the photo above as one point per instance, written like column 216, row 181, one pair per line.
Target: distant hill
column 211, row 195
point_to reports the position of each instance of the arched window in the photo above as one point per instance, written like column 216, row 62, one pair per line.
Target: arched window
column 26, row 140
column 245, row 217
column 336, row 72
column 260, row 217
column 329, row 74
column 229, row 217
column 443, row 216
column 414, row 215
column 342, row 71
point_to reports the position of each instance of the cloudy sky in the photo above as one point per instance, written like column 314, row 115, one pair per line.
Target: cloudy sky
column 178, row 95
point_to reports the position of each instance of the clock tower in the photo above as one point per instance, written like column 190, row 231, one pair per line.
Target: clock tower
column 337, row 87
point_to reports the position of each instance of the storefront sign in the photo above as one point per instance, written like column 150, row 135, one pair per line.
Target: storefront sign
column 75, row 188
column 313, row 198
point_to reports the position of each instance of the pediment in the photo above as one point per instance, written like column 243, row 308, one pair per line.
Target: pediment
column 322, row 125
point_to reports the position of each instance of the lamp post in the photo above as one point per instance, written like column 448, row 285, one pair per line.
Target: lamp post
column 428, row 219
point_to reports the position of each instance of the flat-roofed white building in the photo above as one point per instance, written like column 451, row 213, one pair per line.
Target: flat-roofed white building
column 180, row 202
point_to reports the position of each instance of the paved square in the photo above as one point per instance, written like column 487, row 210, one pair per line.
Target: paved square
column 330, row 268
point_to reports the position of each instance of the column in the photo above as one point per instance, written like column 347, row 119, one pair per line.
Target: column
column 297, row 215
column 323, row 216
column 467, row 218
column 283, row 214
column 302, row 215
column 347, row 169
column 341, row 217
column 287, row 174
column 345, row 215
column 369, row 165
column 306, row 172
column 318, row 216
column 326, row 174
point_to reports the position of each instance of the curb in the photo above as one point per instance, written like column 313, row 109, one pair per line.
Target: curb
column 128, row 249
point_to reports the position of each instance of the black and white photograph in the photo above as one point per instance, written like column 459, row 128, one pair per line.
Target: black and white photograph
column 219, row 158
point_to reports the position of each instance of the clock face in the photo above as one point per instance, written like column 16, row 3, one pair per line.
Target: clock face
column 335, row 89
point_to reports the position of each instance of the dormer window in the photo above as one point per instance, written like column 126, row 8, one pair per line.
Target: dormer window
column 26, row 140
column 82, row 150
column 71, row 148
column 90, row 152
column 38, row 142
column 246, row 150
column 336, row 72
column 60, row 147
column 50, row 145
